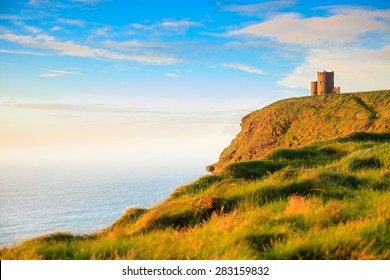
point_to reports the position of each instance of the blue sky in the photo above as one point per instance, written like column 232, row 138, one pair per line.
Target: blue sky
column 111, row 75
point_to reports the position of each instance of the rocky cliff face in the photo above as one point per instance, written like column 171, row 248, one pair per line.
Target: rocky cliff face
column 297, row 122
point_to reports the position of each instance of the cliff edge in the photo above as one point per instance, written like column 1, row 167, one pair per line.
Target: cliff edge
column 296, row 122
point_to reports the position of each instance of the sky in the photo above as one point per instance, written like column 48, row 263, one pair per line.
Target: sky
column 169, row 81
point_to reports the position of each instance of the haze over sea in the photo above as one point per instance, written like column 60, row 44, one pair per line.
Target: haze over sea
column 40, row 199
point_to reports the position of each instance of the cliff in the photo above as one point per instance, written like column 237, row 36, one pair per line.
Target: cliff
column 296, row 122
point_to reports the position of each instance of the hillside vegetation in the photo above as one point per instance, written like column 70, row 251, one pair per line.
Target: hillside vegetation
column 308, row 195
column 328, row 200
column 296, row 122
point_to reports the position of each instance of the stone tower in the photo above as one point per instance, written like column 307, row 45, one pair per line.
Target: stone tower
column 324, row 84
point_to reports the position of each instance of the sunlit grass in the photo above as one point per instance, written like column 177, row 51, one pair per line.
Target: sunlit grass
column 329, row 200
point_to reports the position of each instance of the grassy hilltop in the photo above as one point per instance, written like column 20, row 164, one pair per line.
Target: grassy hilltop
column 296, row 122
column 324, row 200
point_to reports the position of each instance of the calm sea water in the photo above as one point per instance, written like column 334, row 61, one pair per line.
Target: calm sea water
column 43, row 199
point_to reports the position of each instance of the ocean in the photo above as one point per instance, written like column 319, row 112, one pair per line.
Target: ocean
column 42, row 199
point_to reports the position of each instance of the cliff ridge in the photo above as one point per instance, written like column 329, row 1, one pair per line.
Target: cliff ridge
column 296, row 122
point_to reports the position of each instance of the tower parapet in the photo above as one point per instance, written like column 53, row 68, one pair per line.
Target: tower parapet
column 324, row 84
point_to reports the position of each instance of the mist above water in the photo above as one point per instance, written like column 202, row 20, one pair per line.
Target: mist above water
column 42, row 198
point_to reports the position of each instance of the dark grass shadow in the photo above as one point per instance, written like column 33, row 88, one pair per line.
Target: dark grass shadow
column 196, row 187
column 365, row 137
column 65, row 237
column 251, row 170
column 200, row 211
column 130, row 216
column 265, row 241
column 365, row 163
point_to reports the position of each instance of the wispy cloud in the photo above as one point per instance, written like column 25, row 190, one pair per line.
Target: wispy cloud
column 12, row 17
column 88, row 1
column 133, row 44
column 131, row 115
column 32, row 29
column 36, row 2
column 103, row 31
column 22, row 52
column 178, row 24
column 170, row 74
column 245, row 68
column 56, row 3
column 345, row 26
column 50, row 75
column 259, row 8
column 69, row 48
column 56, row 28
column 57, row 73
column 47, row 4
column 66, row 107
column 166, row 26
column 72, row 22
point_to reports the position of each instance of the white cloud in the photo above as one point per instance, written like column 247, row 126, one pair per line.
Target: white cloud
column 56, row 28
column 12, row 17
column 170, row 74
column 132, row 44
column 52, row 3
column 138, row 26
column 50, row 75
column 103, row 31
column 347, row 25
column 356, row 69
column 45, row 4
column 166, row 26
column 63, row 72
column 32, row 29
column 178, row 24
column 57, row 73
column 87, row 1
column 244, row 68
column 70, row 48
column 37, row 2
column 21, row 52
column 72, row 22
column 259, row 8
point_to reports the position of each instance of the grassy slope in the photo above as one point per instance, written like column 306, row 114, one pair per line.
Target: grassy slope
column 296, row 122
column 328, row 200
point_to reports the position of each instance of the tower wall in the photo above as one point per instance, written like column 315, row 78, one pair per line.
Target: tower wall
column 313, row 88
column 329, row 85
column 325, row 82
column 321, row 80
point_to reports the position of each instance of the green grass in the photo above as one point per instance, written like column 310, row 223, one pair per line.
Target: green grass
column 327, row 200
